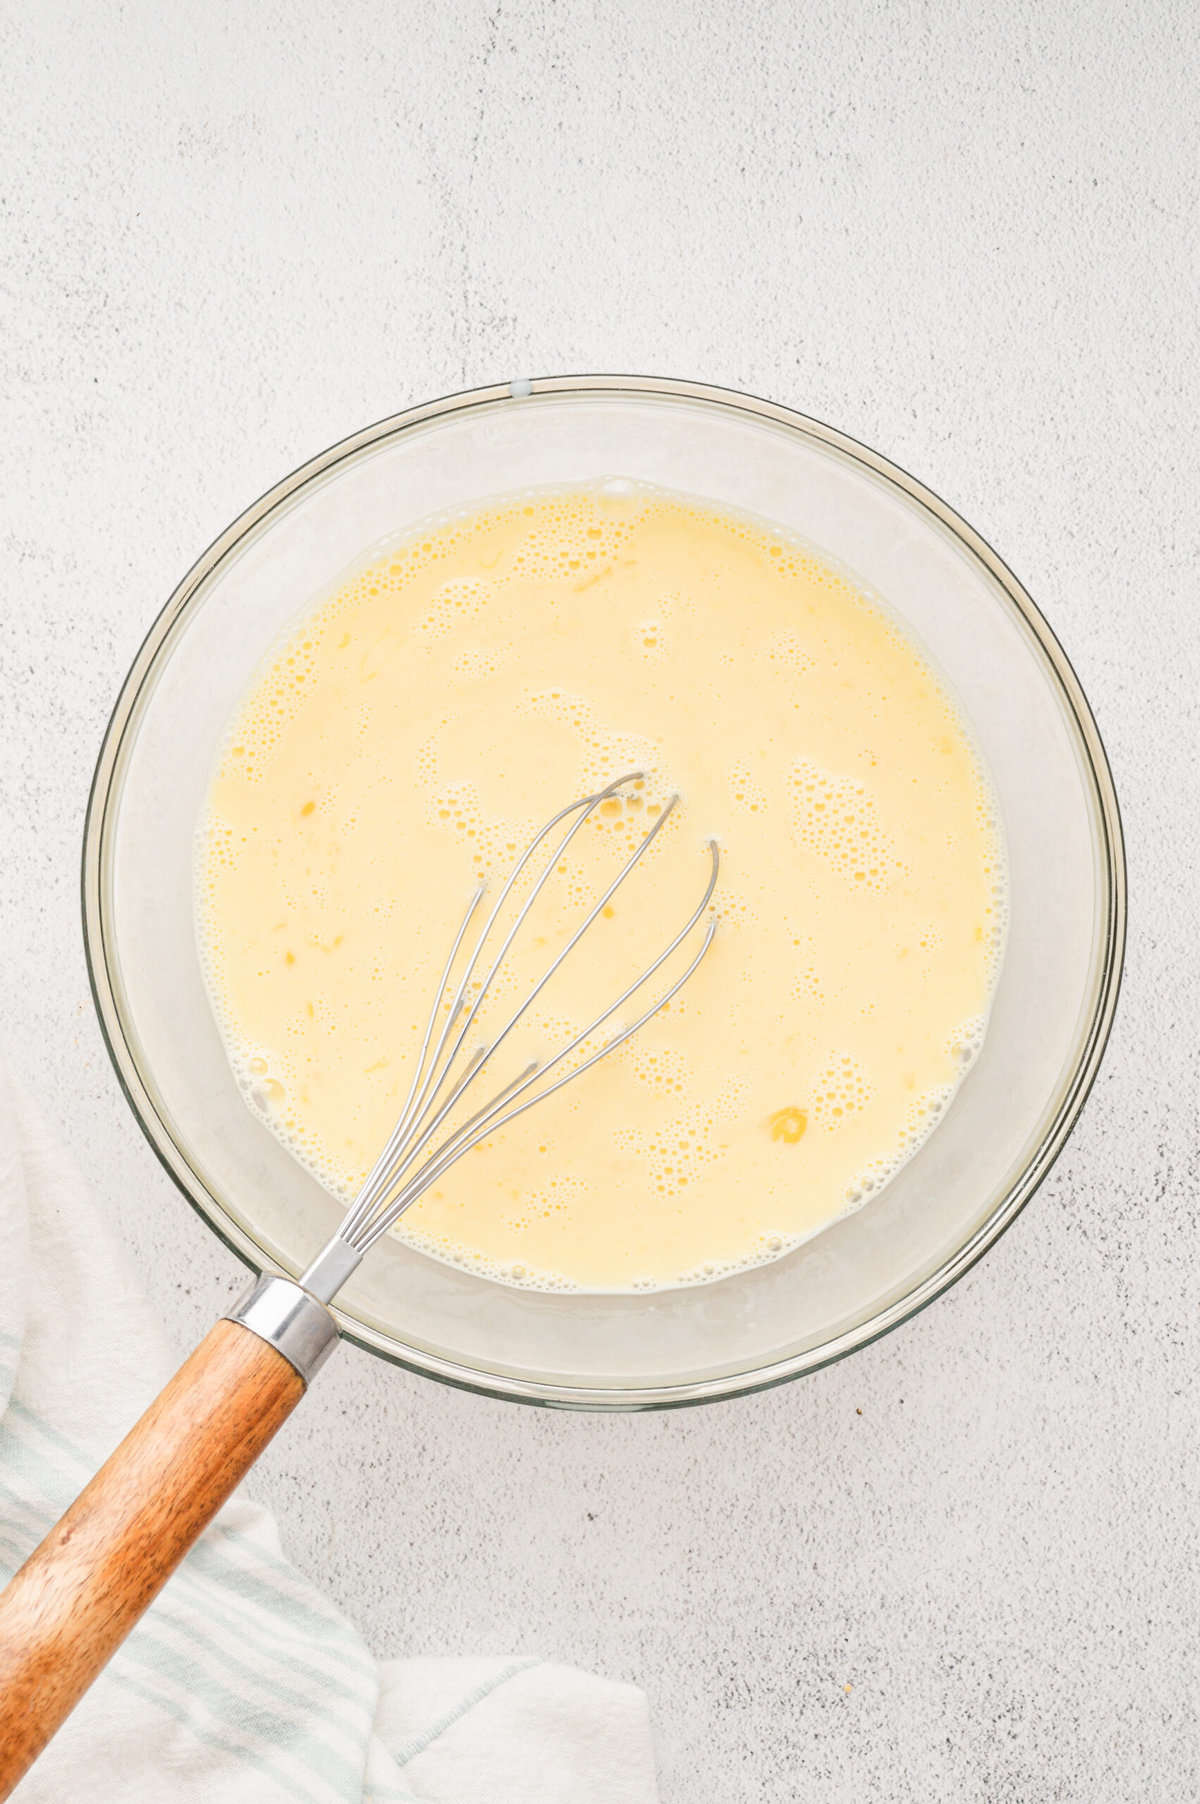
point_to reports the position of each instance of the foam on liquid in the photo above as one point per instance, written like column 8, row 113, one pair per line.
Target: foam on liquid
column 420, row 724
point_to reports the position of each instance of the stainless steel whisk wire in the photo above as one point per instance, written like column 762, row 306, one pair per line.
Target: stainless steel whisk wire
column 434, row 1091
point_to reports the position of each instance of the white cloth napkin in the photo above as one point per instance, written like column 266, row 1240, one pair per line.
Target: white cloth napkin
column 243, row 1684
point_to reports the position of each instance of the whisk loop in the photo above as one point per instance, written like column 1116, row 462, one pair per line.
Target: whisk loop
column 413, row 1158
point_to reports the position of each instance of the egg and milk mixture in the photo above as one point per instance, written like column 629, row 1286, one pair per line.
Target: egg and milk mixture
column 417, row 728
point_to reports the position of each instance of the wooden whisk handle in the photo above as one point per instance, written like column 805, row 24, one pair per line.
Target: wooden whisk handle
column 78, row 1595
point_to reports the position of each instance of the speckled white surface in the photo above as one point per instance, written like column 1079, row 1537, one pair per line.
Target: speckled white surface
column 233, row 234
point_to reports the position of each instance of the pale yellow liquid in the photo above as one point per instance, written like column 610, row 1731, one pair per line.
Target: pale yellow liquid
column 421, row 724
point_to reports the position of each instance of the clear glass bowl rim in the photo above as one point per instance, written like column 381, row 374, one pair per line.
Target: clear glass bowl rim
column 1094, row 1029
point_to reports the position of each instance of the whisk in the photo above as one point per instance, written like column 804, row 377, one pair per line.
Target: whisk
column 78, row 1595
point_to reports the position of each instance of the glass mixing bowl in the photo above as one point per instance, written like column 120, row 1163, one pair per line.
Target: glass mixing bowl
column 1053, row 1006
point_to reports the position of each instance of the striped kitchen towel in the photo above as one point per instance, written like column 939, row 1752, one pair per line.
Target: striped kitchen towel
column 243, row 1684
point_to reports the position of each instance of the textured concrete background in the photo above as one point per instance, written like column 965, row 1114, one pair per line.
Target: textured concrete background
column 232, row 234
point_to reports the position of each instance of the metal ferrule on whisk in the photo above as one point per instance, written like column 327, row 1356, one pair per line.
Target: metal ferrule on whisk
column 290, row 1319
